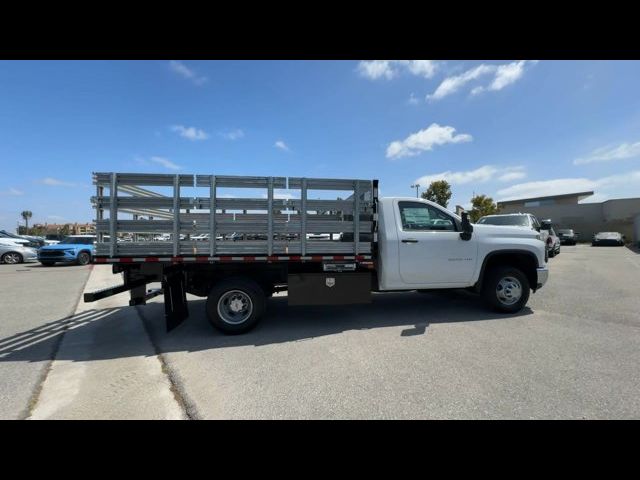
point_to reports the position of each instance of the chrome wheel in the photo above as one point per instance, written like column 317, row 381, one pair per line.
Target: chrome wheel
column 235, row 307
column 509, row 290
column 12, row 258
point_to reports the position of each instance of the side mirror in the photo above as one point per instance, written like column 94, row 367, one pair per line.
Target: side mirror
column 467, row 228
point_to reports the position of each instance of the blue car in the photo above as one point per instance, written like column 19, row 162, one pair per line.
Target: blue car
column 77, row 249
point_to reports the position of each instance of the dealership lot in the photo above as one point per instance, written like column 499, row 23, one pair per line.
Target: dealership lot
column 573, row 353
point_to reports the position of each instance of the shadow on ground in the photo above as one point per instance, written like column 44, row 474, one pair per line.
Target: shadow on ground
column 280, row 324
column 633, row 248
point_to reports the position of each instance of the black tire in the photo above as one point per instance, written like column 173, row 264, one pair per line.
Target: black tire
column 491, row 284
column 240, row 290
column 84, row 258
column 12, row 258
column 47, row 264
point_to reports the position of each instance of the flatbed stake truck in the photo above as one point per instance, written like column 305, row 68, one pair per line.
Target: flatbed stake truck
column 324, row 241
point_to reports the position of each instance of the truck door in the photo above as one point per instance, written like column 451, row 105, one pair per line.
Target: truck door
column 431, row 252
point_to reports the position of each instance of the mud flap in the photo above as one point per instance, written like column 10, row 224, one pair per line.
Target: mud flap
column 175, row 298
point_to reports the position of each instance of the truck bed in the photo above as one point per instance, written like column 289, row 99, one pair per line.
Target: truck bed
column 141, row 217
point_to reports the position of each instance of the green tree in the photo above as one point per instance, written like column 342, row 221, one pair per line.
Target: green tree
column 65, row 230
column 26, row 215
column 438, row 192
column 481, row 206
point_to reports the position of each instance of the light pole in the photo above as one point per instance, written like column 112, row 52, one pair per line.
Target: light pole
column 416, row 186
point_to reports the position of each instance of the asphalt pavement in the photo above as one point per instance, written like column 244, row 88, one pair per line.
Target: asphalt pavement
column 571, row 353
column 35, row 304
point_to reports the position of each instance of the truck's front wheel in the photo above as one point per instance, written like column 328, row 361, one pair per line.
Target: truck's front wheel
column 506, row 289
column 235, row 305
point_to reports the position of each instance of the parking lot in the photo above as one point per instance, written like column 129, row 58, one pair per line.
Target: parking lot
column 572, row 353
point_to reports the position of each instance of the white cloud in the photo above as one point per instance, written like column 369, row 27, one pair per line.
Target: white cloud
column 12, row 192
column 165, row 163
column 425, row 139
column 186, row 72
column 375, row 69
column 233, row 134
column 545, row 188
column 452, row 84
column 413, row 100
column 608, row 154
column 190, row 133
column 279, row 195
column 422, row 68
column 507, row 74
column 54, row 182
column 281, row 145
column 479, row 175
column 621, row 185
column 512, row 173
column 503, row 75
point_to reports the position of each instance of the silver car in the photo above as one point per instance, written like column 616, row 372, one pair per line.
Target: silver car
column 553, row 243
column 13, row 253
column 608, row 238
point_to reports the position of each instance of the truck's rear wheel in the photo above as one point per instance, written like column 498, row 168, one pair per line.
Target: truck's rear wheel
column 235, row 305
column 506, row 289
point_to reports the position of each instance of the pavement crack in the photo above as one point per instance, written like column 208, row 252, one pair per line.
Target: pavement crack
column 175, row 383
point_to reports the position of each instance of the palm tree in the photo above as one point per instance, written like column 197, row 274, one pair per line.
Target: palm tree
column 26, row 215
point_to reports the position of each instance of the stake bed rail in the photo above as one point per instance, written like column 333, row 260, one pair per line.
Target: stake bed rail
column 146, row 218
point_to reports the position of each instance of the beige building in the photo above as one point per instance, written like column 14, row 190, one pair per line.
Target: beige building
column 564, row 211
column 72, row 228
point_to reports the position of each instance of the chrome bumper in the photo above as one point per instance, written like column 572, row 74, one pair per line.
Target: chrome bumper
column 543, row 276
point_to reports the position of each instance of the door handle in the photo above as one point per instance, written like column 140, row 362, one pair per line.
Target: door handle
column 409, row 240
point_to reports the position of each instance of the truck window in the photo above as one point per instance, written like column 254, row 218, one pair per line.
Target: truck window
column 419, row 216
column 535, row 224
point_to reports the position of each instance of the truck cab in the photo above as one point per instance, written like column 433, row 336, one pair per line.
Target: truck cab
column 422, row 246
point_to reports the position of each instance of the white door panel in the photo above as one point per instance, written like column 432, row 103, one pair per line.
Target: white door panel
column 431, row 257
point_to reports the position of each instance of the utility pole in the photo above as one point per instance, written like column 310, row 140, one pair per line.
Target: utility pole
column 417, row 187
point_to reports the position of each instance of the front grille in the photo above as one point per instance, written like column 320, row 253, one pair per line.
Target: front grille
column 52, row 253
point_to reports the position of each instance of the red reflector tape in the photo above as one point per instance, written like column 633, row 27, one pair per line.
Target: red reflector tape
column 228, row 258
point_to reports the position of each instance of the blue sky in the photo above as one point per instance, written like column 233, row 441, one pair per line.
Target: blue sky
column 507, row 128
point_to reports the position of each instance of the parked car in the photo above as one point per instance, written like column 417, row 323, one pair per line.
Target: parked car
column 20, row 239
column 553, row 243
column 524, row 220
column 13, row 253
column 608, row 238
column 78, row 249
column 53, row 238
column 568, row 236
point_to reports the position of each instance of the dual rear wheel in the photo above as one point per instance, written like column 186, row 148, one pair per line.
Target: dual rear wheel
column 235, row 305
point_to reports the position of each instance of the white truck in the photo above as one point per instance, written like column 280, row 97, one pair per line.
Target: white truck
column 299, row 243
